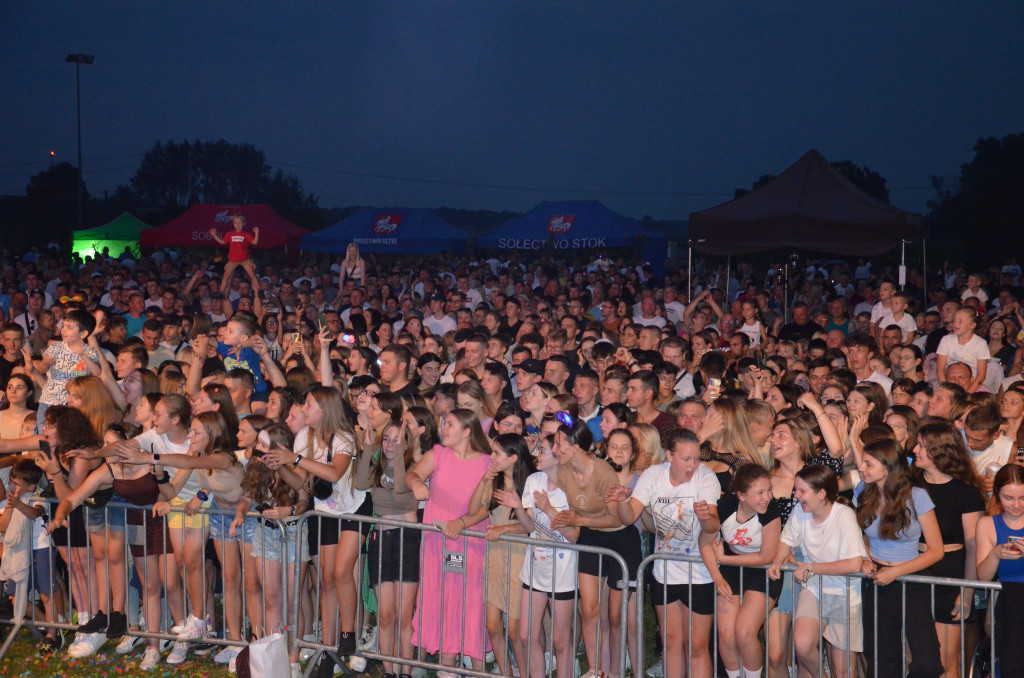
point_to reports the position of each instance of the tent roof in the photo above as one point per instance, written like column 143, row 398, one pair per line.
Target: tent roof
column 809, row 206
column 192, row 228
column 125, row 227
column 388, row 230
column 577, row 223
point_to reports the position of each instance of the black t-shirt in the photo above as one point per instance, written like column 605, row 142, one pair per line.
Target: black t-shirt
column 794, row 332
column 931, row 344
column 408, row 389
column 6, row 368
column 952, row 500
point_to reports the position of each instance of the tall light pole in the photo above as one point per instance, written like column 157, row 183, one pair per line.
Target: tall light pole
column 78, row 60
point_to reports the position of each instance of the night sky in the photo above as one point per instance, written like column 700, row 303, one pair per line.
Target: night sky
column 652, row 108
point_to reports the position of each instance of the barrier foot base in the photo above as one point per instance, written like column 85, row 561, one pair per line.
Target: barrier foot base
column 10, row 637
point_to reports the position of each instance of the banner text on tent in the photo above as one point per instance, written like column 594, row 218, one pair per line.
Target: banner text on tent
column 538, row 244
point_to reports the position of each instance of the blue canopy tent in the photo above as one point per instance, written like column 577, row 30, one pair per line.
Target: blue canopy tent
column 388, row 230
column 577, row 225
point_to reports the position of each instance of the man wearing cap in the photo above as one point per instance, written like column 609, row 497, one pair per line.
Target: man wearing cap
column 438, row 322
column 29, row 320
column 528, row 373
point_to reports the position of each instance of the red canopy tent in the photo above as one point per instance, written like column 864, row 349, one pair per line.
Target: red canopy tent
column 192, row 229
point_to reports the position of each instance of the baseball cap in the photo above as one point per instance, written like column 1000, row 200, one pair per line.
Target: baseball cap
column 532, row 366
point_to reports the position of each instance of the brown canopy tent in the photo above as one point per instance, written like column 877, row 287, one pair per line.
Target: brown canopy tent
column 810, row 206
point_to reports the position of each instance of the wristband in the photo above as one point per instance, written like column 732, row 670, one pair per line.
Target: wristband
column 202, row 495
column 298, row 458
column 164, row 479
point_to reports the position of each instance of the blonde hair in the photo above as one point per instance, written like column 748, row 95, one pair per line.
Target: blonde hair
column 97, row 404
column 648, row 440
column 735, row 438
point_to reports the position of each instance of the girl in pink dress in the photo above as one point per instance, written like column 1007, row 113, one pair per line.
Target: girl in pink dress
column 454, row 468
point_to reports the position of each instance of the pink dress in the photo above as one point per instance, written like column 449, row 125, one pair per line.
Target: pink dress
column 438, row 623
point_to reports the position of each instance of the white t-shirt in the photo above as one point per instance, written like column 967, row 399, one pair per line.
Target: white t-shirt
column 878, row 314
column 677, row 527
column 657, row 321
column 882, row 380
column 151, row 441
column 997, row 453
column 970, row 353
column 906, row 323
column 345, row 498
column 39, row 534
column 752, row 331
column 837, row 538
column 547, row 569
column 675, row 311
column 442, row 326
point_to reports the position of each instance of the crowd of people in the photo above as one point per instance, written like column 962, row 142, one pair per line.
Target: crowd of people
column 863, row 430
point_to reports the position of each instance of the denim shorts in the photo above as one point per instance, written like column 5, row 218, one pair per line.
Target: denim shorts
column 786, row 602
column 220, row 525
column 267, row 543
column 109, row 517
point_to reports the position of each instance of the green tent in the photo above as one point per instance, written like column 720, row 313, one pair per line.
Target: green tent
column 115, row 236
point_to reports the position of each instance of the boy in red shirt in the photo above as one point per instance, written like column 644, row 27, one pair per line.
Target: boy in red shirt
column 238, row 243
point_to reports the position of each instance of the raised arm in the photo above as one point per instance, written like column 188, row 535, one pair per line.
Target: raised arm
column 829, row 432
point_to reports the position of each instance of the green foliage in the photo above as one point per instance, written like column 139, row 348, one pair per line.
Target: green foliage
column 174, row 175
column 989, row 198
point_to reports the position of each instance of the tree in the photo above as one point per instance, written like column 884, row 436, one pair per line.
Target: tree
column 174, row 175
column 989, row 198
column 863, row 177
column 51, row 209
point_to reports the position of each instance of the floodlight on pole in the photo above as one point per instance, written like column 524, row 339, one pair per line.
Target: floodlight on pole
column 78, row 60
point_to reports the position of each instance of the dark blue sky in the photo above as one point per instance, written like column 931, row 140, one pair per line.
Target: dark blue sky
column 652, row 108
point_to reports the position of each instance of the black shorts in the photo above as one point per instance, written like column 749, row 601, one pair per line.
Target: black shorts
column 365, row 509
column 950, row 567
column 79, row 536
column 394, row 557
column 625, row 542
column 753, row 580
column 557, row 595
column 325, row 530
column 700, row 598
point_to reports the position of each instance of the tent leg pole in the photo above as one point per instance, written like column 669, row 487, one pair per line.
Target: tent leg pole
column 728, row 278
column 689, row 272
column 924, row 268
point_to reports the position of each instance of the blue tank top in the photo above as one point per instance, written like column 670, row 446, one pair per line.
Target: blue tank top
column 1009, row 570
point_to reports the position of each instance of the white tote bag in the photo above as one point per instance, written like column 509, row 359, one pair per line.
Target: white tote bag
column 268, row 657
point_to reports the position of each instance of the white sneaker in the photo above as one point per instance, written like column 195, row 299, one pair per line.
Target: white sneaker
column 227, row 654
column 550, row 664
column 87, row 644
column 232, row 665
column 178, row 654
column 194, row 628
column 305, row 654
column 656, row 671
column 150, row 659
column 467, row 662
column 368, row 641
column 127, row 644
column 178, row 628
column 356, row 663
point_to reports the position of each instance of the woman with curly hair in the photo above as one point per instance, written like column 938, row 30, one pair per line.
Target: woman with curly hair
column 895, row 513
column 265, row 490
column 944, row 468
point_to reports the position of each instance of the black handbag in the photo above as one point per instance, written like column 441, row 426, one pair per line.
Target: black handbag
column 323, row 489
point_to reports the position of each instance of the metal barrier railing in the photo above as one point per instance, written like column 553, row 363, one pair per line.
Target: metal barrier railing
column 846, row 659
column 915, row 591
column 379, row 525
column 79, row 582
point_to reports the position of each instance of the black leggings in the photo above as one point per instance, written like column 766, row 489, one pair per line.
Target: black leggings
column 925, row 660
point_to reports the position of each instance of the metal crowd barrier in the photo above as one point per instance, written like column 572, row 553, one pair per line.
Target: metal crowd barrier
column 30, row 619
column 855, row 665
column 289, row 614
column 369, row 524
